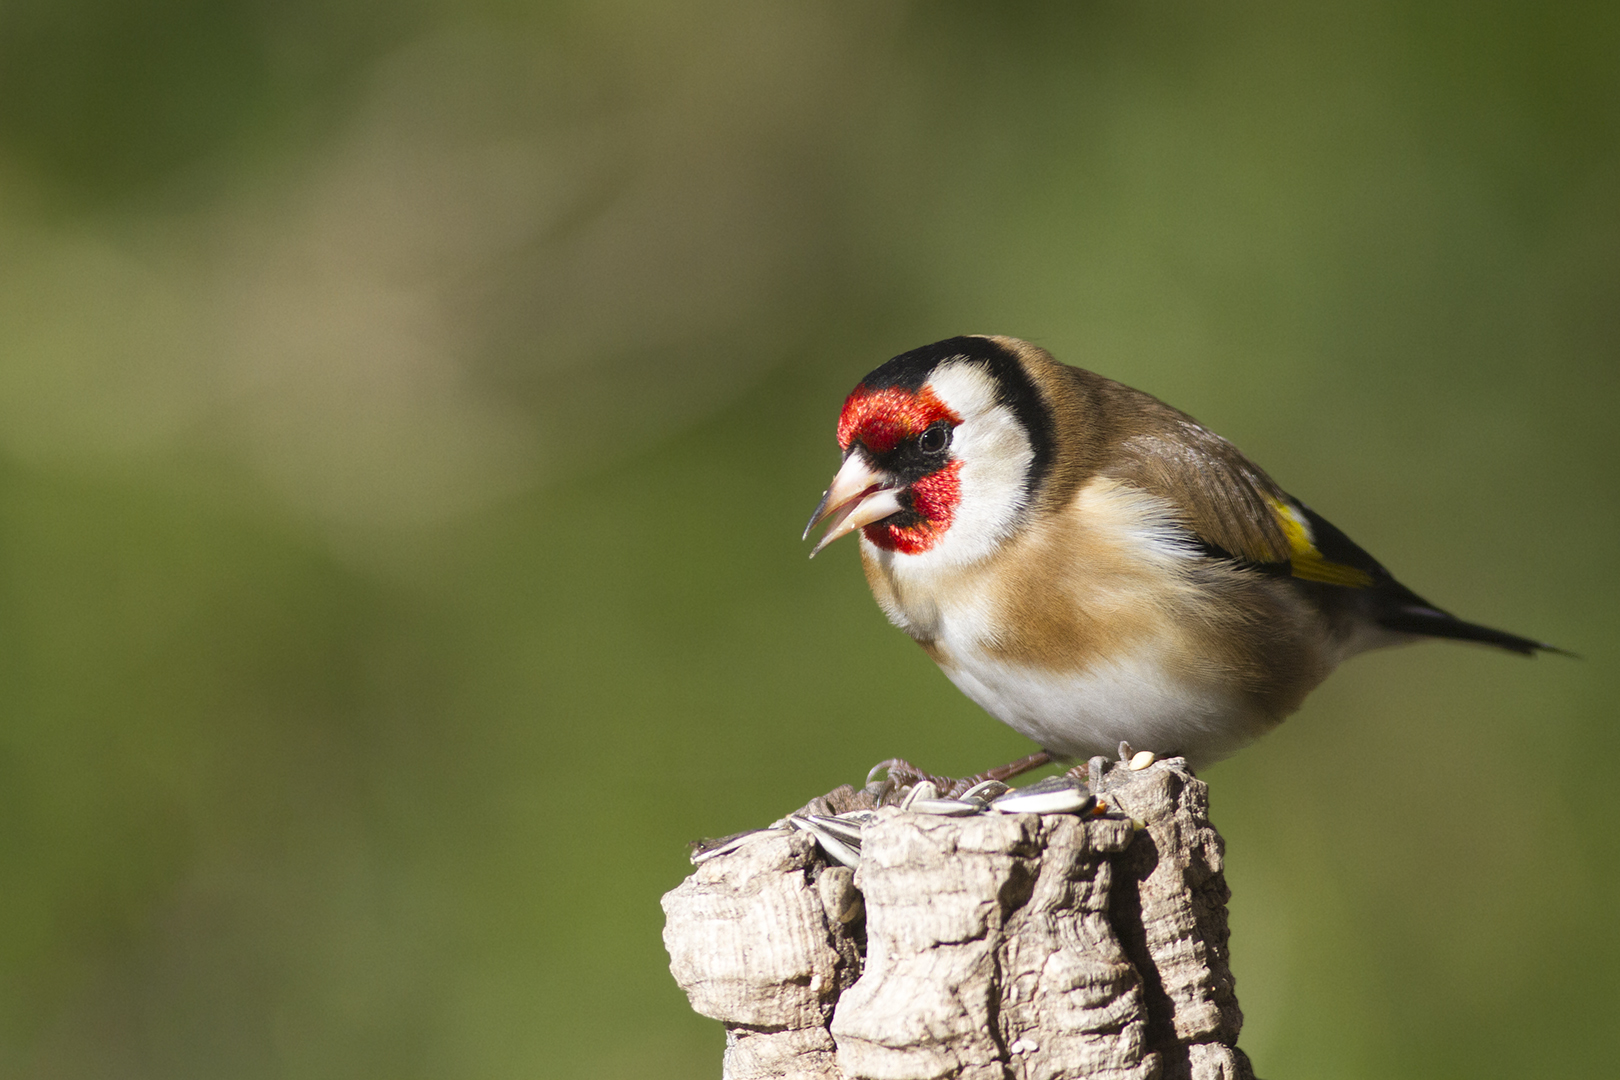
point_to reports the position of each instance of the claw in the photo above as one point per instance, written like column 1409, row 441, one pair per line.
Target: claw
column 901, row 772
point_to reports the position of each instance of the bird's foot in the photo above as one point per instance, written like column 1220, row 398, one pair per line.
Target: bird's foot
column 899, row 777
column 902, row 774
column 1006, row 772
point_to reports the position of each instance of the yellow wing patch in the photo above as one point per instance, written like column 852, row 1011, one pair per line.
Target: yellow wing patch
column 1307, row 562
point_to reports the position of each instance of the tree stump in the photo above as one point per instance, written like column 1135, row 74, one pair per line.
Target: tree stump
column 1004, row 946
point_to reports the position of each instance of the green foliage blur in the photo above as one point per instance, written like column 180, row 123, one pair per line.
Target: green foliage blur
column 408, row 413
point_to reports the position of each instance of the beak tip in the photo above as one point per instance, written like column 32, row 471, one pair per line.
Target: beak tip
column 858, row 496
column 821, row 512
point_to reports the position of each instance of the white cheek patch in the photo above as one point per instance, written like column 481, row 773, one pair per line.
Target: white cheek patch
column 995, row 454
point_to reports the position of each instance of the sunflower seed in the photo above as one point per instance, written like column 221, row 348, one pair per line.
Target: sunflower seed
column 1054, row 795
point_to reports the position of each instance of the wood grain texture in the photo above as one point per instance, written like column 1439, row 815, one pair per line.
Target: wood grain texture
column 995, row 947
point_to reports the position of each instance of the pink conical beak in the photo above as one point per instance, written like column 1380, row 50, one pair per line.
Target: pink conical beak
column 858, row 496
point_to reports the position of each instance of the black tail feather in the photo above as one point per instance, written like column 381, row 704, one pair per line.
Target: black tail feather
column 1430, row 622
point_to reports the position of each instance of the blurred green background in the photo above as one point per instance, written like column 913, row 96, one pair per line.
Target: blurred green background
column 408, row 413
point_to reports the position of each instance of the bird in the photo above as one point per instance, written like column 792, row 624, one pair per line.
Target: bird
column 1093, row 567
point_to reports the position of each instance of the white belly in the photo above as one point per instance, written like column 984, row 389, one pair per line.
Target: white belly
column 1114, row 578
column 1135, row 700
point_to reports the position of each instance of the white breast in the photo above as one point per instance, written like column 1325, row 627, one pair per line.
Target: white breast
column 1133, row 573
column 1134, row 699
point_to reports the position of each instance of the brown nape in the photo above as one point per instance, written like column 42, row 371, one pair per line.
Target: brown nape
column 1078, row 418
column 1218, row 492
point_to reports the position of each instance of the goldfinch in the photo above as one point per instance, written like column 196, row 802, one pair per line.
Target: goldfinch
column 1092, row 566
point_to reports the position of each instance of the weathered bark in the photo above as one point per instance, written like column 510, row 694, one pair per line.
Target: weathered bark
column 986, row 947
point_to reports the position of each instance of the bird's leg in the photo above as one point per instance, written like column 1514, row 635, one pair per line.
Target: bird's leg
column 1002, row 773
column 903, row 774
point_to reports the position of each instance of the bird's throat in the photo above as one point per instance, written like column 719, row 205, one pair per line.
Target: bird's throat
column 934, row 500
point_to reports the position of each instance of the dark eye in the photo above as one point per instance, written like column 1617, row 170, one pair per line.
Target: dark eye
column 935, row 439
